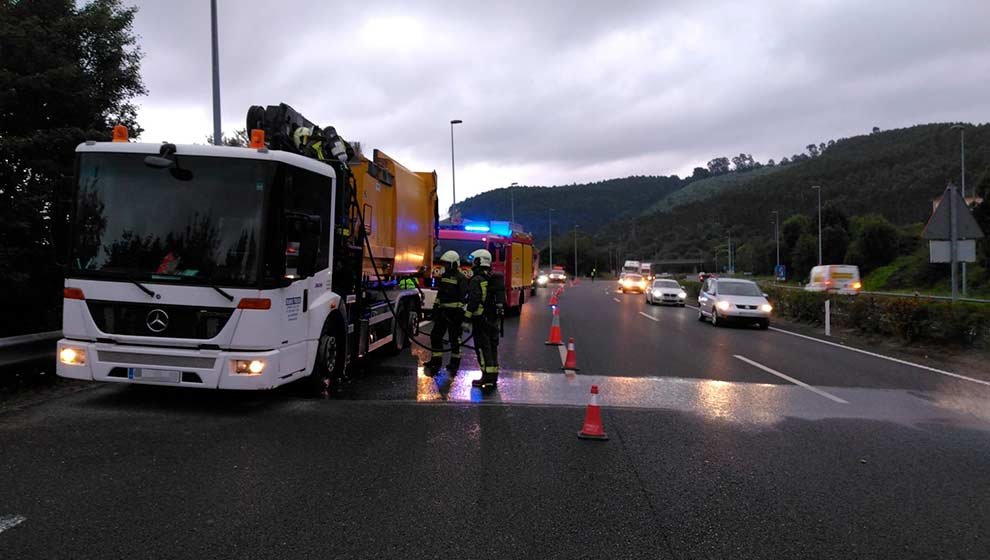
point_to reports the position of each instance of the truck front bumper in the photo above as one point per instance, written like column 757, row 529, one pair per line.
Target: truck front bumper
column 174, row 367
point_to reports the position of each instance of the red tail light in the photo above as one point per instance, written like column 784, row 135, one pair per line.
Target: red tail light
column 254, row 303
column 73, row 293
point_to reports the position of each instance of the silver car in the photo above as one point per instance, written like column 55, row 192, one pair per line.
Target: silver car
column 666, row 292
column 724, row 300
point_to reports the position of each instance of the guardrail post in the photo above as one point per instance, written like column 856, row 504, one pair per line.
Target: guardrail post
column 828, row 317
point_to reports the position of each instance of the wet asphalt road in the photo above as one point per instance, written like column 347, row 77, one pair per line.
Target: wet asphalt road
column 709, row 456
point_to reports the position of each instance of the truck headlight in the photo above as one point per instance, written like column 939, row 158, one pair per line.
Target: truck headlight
column 682, row 294
column 72, row 356
column 249, row 367
column 766, row 308
column 723, row 305
column 542, row 280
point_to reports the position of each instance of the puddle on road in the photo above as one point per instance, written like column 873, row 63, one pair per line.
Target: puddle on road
column 748, row 403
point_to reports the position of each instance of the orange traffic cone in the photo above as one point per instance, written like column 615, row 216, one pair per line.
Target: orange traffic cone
column 554, row 339
column 592, row 428
column 553, row 300
column 570, row 362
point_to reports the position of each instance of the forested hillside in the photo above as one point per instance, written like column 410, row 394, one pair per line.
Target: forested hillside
column 591, row 205
column 876, row 189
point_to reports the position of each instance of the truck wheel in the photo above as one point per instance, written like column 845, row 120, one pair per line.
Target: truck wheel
column 329, row 373
column 517, row 310
column 401, row 328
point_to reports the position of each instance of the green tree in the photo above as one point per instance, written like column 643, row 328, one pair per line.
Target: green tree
column 68, row 73
column 719, row 166
column 835, row 243
column 238, row 140
column 791, row 230
column 804, row 256
column 874, row 242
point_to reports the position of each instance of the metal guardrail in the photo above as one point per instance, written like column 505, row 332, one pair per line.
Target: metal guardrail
column 26, row 348
column 897, row 294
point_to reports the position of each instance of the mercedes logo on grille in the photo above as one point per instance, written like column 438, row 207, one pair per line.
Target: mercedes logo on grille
column 157, row 320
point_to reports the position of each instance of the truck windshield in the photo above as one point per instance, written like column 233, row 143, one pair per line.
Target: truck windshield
column 202, row 224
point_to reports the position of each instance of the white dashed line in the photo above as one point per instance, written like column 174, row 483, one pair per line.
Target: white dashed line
column 881, row 356
column 11, row 521
column 616, row 300
column 650, row 317
column 791, row 379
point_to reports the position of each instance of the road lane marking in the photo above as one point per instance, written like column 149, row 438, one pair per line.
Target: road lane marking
column 650, row 317
column 11, row 521
column 616, row 300
column 563, row 354
column 881, row 356
column 791, row 379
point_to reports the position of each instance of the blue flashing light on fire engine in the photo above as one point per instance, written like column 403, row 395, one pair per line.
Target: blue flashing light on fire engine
column 502, row 229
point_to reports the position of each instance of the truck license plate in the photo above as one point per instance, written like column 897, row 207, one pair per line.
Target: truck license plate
column 157, row 375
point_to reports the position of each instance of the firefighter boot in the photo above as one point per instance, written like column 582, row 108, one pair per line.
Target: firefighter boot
column 453, row 366
column 432, row 367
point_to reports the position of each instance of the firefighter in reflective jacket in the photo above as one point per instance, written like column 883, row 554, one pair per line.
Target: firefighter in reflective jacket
column 448, row 311
column 485, row 304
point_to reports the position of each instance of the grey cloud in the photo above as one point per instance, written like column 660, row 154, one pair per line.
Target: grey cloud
column 564, row 90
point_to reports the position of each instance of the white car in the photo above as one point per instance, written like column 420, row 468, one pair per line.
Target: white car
column 724, row 300
column 666, row 292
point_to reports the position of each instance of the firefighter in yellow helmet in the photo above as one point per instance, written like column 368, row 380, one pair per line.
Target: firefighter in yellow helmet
column 300, row 137
column 447, row 313
column 485, row 305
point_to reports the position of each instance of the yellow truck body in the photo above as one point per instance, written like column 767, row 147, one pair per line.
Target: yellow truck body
column 399, row 210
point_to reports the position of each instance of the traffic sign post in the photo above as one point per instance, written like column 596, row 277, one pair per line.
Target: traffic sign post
column 780, row 272
column 952, row 232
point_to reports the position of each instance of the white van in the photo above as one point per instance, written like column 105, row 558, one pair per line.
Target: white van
column 835, row 278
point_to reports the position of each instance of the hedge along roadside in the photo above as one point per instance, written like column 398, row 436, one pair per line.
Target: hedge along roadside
column 905, row 319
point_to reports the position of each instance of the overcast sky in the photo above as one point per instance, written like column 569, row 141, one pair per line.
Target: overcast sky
column 571, row 91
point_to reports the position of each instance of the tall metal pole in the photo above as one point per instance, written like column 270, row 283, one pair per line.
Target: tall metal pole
column 962, row 163
column 453, row 176
column 217, row 135
column 776, row 236
column 953, row 246
column 732, row 265
column 512, row 201
column 550, row 227
column 575, row 251
column 819, row 226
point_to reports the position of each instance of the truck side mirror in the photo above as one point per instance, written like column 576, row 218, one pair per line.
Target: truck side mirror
column 302, row 233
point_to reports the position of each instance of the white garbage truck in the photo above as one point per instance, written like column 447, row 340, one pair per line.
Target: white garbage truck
column 242, row 267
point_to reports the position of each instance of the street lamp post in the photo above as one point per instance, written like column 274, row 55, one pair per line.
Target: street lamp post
column 550, row 227
column 453, row 176
column 776, row 238
column 217, row 135
column 575, row 251
column 819, row 189
column 732, row 269
column 512, row 201
column 962, row 165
